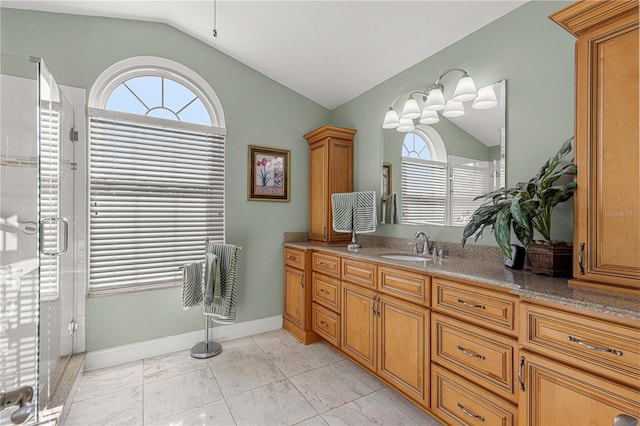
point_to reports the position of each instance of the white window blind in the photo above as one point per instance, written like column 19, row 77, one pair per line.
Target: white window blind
column 424, row 191
column 156, row 194
column 467, row 183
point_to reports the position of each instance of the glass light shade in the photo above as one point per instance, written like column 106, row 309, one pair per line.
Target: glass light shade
column 406, row 125
column 391, row 119
column 465, row 90
column 411, row 109
column 435, row 101
column 486, row 98
column 453, row 109
column 429, row 117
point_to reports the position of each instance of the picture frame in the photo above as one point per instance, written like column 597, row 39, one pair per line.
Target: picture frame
column 386, row 180
column 268, row 174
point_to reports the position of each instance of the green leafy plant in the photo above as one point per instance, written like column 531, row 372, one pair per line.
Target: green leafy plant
column 525, row 207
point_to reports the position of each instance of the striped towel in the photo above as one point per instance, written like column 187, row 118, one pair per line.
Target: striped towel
column 365, row 217
column 192, row 285
column 354, row 211
column 211, row 279
column 343, row 207
column 223, row 309
column 391, row 212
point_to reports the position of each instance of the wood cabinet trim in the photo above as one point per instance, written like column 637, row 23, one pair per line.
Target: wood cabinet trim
column 326, row 263
column 584, row 15
column 326, row 291
column 359, row 272
column 410, row 286
column 326, row 323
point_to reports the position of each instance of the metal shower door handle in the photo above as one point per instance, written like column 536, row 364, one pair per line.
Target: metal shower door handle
column 65, row 235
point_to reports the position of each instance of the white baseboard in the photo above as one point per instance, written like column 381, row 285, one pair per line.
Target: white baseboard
column 165, row 345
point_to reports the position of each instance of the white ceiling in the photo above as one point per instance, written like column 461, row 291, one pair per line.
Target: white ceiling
column 328, row 51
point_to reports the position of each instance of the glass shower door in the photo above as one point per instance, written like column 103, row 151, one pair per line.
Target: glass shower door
column 56, row 205
column 38, row 260
column 19, row 217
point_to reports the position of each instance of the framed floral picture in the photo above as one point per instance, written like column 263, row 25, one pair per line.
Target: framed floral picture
column 268, row 174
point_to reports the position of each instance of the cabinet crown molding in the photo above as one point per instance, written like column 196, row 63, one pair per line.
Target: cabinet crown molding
column 586, row 14
column 331, row 132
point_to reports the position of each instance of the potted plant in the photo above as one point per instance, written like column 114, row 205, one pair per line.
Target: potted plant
column 528, row 207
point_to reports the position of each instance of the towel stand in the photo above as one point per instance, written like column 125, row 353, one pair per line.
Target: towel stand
column 208, row 348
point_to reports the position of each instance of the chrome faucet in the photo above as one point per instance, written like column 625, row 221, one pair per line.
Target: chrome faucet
column 426, row 247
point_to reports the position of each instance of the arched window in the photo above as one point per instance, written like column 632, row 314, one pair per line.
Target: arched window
column 156, row 173
column 424, row 177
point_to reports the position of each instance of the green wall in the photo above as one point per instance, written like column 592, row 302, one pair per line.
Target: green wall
column 533, row 54
column 536, row 58
column 258, row 111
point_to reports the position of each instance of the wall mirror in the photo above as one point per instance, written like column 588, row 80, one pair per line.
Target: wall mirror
column 432, row 174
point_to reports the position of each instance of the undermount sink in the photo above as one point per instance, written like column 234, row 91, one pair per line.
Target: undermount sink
column 406, row 257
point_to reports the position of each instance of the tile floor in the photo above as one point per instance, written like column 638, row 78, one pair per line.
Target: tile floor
column 266, row 379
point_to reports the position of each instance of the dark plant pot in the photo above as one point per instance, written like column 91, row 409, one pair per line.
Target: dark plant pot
column 553, row 259
column 517, row 257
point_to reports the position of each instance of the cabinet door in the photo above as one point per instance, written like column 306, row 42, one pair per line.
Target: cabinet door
column 318, row 190
column 403, row 360
column 359, row 324
column 559, row 395
column 607, row 153
column 294, row 296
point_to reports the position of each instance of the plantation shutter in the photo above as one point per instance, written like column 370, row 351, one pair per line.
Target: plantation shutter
column 424, row 192
column 467, row 183
column 156, row 194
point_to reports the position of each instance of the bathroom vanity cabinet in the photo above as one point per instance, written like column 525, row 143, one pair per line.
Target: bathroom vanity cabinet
column 606, row 217
column 464, row 350
column 330, row 171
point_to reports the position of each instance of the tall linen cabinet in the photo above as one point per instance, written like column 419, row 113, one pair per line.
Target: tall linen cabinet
column 330, row 171
column 607, row 200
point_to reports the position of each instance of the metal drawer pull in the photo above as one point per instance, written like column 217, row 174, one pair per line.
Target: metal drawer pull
column 469, row 413
column 378, row 306
column 323, row 291
column 580, row 257
column 467, row 353
column 594, row 348
column 373, row 309
column 324, row 324
column 323, row 264
column 520, row 377
column 470, row 305
column 292, row 258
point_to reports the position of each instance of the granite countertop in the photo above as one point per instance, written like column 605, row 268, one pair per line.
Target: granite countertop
column 521, row 283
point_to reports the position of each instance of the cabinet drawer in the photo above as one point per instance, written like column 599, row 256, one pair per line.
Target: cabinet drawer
column 294, row 257
column 326, row 291
column 327, row 324
column 404, row 285
column 490, row 309
column 609, row 349
column 326, row 263
column 461, row 402
column 359, row 272
column 482, row 356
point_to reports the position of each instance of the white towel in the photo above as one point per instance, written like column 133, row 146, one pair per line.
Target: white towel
column 354, row 211
column 223, row 310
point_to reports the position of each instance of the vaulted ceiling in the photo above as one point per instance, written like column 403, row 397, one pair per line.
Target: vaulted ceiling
column 328, row 51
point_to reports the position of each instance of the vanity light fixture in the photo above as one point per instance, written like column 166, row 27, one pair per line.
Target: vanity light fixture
column 424, row 104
